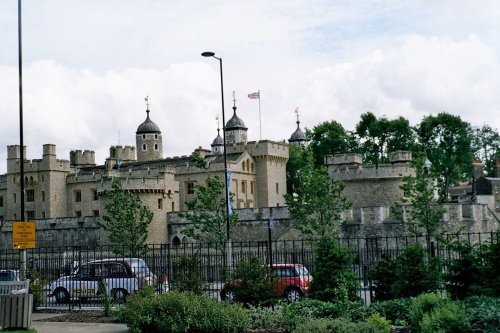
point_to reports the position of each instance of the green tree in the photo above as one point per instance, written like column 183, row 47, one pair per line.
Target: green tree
column 299, row 157
column 127, row 221
column 446, row 140
column 419, row 209
column 487, row 146
column 329, row 138
column 208, row 213
column 317, row 204
column 379, row 136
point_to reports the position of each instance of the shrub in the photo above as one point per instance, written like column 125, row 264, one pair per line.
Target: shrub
column 181, row 312
column 333, row 279
column 383, row 277
column 254, row 283
column 397, row 310
column 445, row 318
column 462, row 271
column 376, row 324
column 37, row 285
column 271, row 318
column 311, row 308
column 188, row 277
column 422, row 305
column 483, row 313
column 488, row 268
column 416, row 272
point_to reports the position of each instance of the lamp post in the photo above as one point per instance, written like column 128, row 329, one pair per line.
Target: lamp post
column 212, row 54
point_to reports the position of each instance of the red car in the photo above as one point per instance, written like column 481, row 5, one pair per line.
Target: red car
column 291, row 281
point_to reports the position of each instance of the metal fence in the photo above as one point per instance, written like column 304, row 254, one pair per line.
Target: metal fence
column 163, row 260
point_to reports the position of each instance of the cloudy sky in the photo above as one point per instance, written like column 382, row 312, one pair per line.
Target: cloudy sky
column 88, row 64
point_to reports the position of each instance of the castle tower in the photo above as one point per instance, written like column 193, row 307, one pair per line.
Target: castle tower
column 148, row 140
column 218, row 144
column 235, row 128
column 298, row 138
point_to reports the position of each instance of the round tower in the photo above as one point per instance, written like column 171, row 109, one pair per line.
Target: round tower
column 235, row 128
column 218, row 144
column 148, row 140
column 298, row 137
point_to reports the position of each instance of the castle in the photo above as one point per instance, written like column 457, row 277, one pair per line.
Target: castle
column 76, row 188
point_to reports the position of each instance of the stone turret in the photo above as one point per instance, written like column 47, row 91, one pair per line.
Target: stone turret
column 77, row 158
column 148, row 141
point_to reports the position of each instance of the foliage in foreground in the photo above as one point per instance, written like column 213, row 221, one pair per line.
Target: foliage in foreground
column 181, row 312
column 188, row 276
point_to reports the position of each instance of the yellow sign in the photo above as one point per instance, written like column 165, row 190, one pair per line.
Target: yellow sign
column 23, row 235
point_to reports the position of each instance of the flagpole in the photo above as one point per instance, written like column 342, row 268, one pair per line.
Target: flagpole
column 260, row 120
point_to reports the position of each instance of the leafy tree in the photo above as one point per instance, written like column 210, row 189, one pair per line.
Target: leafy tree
column 333, row 277
column 383, row 276
column 299, row 157
column 329, row 138
column 127, row 221
column 423, row 211
column 188, row 275
column 255, row 286
column 447, row 142
column 379, row 136
column 416, row 272
column 317, row 204
column 487, row 146
column 208, row 213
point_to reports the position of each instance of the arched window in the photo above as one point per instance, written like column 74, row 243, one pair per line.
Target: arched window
column 144, row 147
column 243, row 165
column 176, row 241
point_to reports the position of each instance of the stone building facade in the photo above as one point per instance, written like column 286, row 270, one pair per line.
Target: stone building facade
column 76, row 188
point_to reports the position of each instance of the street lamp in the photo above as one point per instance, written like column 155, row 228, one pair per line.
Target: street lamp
column 211, row 54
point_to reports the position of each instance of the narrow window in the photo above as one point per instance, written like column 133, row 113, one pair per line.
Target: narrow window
column 243, row 186
column 43, row 178
column 173, row 206
column 95, row 195
column 144, row 136
column 43, row 215
column 252, row 184
column 277, row 188
column 156, row 136
column 78, row 196
column 1, row 201
column 144, row 147
column 78, row 213
column 14, row 195
column 190, row 187
column 156, row 146
column 30, row 214
column 160, row 203
column 30, row 195
column 96, row 213
column 43, row 195
column 243, row 166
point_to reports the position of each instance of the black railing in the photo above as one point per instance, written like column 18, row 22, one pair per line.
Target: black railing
column 164, row 260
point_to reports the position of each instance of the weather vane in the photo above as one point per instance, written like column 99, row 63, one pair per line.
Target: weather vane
column 147, row 101
column 217, row 118
column 297, row 112
column 234, row 98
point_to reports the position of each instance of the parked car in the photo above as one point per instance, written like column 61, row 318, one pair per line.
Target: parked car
column 291, row 281
column 9, row 275
column 120, row 276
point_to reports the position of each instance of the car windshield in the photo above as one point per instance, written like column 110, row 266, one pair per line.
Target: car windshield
column 140, row 267
column 6, row 276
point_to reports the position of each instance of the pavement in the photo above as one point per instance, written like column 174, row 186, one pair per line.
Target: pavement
column 71, row 327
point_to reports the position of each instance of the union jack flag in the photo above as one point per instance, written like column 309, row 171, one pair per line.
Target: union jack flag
column 255, row 95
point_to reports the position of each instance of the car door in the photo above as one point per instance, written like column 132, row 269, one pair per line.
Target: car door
column 87, row 281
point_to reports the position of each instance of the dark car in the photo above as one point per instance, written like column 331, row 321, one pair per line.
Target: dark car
column 291, row 281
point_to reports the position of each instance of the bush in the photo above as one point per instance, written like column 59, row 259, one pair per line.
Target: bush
column 374, row 324
column 483, row 313
column 462, row 272
column 488, row 268
column 254, row 283
column 383, row 277
column 416, row 272
column 181, row 312
column 397, row 310
column 333, row 278
column 188, row 277
column 311, row 308
column 445, row 318
column 422, row 305
column 272, row 319
column 37, row 285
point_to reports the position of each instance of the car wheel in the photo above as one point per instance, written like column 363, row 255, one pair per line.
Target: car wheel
column 62, row 295
column 293, row 295
column 229, row 296
column 119, row 295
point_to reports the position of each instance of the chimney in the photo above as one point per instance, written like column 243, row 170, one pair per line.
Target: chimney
column 477, row 169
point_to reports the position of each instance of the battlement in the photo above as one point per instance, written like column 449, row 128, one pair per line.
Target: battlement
column 259, row 148
column 341, row 159
column 82, row 159
column 13, row 152
column 123, row 153
column 48, row 161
